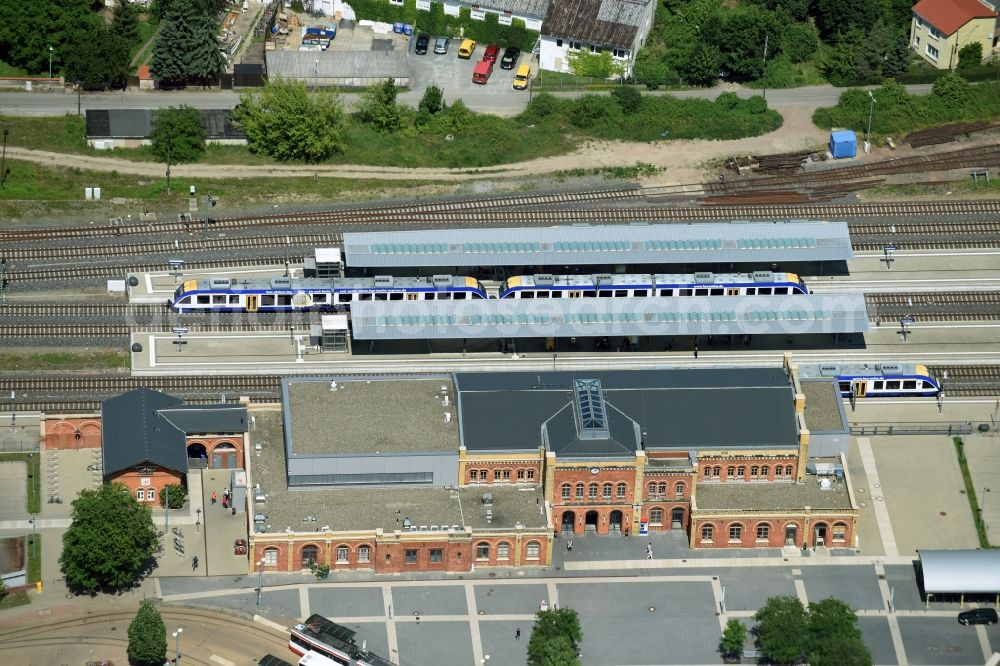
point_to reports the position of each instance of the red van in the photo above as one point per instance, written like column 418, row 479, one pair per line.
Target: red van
column 481, row 74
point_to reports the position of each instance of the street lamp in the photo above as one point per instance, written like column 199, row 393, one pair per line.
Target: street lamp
column 177, row 645
column 260, row 580
column 871, row 110
column 170, row 142
column 50, row 62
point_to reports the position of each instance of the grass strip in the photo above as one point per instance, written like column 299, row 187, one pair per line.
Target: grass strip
column 62, row 361
column 970, row 492
column 31, row 459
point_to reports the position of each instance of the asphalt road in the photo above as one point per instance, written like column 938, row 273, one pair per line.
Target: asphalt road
column 501, row 102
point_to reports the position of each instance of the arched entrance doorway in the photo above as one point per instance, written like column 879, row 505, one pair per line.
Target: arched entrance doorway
column 615, row 521
column 791, row 535
column 568, row 521
column 197, row 452
column 819, row 534
column 677, row 518
column 224, row 456
column 310, row 554
column 590, row 522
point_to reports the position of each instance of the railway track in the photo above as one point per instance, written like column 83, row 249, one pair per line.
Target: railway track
column 86, row 332
column 968, row 380
column 925, row 235
column 936, row 306
column 102, row 271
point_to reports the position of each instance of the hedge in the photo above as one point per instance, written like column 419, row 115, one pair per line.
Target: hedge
column 435, row 22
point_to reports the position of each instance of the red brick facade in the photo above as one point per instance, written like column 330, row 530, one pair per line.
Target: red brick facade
column 221, row 452
column 489, row 472
column 147, row 480
column 774, row 532
column 72, row 433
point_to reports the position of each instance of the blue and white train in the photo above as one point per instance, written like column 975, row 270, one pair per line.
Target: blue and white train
column 293, row 294
column 876, row 380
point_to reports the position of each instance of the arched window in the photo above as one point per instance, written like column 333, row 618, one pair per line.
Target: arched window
column 474, row 474
column 364, row 554
column 606, row 491
column 566, row 489
column 140, row 494
column 708, row 472
column 788, row 470
column 656, row 516
column 310, row 554
column 532, row 550
column 839, row 532
column 482, row 551
column 707, row 532
column 503, row 551
column 271, row 557
column 741, row 471
column 652, row 488
column 622, row 490
column 754, row 471
column 579, row 491
column 662, row 488
column 520, row 475
column 531, row 474
column 343, row 552
column 731, row 470
column 679, row 490
column 779, row 470
column 735, row 532
column 592, row 491
column 765, row 471
column 763, row 532
column 716, row 471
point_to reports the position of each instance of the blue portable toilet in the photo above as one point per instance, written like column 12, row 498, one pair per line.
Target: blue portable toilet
column 397, row 27
column 843, row 143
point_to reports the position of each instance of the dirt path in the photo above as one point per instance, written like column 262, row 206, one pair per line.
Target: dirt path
column 681, row 161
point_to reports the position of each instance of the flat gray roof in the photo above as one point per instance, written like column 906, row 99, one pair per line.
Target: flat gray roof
column 588, row 317
column 602, row 245
column 365, row 508
column 730, row 495
column 824, row 409
column 681, row 409
column 367, row 416
column 958, row 571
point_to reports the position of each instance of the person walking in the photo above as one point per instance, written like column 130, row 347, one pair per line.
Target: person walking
column 215, row 496
column 517, row 634
column 569, row 545
column 649, row 551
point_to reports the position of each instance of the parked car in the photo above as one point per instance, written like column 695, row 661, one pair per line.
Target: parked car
column 492, row 53
column 481, row 74
column 978, row 616
column 467, row 48
column 441, row 45
column 521, row 77
column 423, row 41
column 510, row 56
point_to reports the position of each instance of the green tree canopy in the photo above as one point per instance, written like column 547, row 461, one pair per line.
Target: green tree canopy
column 379, row 109
column 28, row 29
column 733, row 638
column 99, row 60
column 701, row 66
column 835, row 639
column 288, row 122
column 186, row 47
column 126, row 21
column 970, row 55
column 177, row 136
column 178, row 493
column 554, row 638
column 110, row 540
column 783, row 629
column 628, row 98
column 597, row 65
column 432, row 101
column 147, row 637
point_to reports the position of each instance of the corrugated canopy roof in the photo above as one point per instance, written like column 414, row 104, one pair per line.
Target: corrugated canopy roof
column 602, row 245
column 958, row 571
column 580, row 317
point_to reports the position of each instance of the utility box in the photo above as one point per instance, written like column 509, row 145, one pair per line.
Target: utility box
column 843, row 143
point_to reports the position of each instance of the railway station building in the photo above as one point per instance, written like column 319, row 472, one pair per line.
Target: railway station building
column 485, row 469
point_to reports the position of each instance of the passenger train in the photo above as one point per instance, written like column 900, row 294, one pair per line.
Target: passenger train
column 333, row 641
column 876, row 380
column 284, row 294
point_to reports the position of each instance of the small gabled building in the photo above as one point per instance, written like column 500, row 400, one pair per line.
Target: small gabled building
column 594, row 26
column 940, row 28
column 151, row 439
column 131, row 128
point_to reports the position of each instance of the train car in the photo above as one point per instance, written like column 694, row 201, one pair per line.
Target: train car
column 611, row 285
column 284, row 294
column 332, row 641
column 876, row 380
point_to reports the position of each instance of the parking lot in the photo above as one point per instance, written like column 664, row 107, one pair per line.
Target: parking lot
column 454, row 75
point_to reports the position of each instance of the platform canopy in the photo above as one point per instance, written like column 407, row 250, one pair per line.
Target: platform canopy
column 592, row 317
column 960, row 571
column 583, row 244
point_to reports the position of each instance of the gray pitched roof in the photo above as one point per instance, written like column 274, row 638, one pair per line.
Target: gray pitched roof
column 584, row 244
column 138, row 124
column 682, row 409
column 535, row 8
column 602, row 22
column 133, row 432
column 196, row 419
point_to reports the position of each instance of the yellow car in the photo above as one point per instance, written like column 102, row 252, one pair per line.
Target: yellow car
column 521, row 77
column 466, row 49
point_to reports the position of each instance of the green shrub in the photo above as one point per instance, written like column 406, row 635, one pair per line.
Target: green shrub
column 970, row 55
column 628, row 98
column 728, row 100
column 178, row 495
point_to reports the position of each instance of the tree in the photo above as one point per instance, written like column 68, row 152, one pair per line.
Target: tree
column 109, row 541
column 99, row 60
column 952, row 88
column 838, row 16
column 126, row 21
column 378, row 107
column 3, row 589
column 733, row 638
column 432, row 101
column 970, row 55
column 288, row 122
column 834, row 635
column 597, row 65
column 186, row 47
column 179, row 136
column 651, row 69
column 799, row 41
column 178, row 495
column 147, row 637
column 741, row 38
column 28, row 29
column 701, row 66
column 782, row 629
column 628, row 98
column 554, row 638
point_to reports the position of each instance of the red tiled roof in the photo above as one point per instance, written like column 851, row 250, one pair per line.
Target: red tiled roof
column 950, row 15
column 144, row 72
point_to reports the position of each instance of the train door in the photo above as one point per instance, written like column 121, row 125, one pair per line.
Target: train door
column 251, row 302
column 733, row 291
column 859, row 388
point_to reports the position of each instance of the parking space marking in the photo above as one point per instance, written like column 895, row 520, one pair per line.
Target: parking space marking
column 984, row 642
column 881, row 512
column 221, row 660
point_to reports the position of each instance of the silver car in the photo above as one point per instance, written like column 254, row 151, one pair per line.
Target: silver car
column 441, row 45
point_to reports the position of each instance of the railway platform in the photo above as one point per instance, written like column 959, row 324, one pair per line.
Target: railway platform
column 158, row 287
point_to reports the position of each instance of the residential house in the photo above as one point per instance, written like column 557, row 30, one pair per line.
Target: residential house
column 594, row 26
column 940, row 28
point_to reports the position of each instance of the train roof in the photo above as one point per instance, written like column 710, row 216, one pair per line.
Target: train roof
column 588, row 317
column 340, row 637
column 830, row 370
column 321, row 284
column 584, row 244
column 599, row 279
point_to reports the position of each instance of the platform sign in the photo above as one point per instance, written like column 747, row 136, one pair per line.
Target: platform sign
column 908, row 319
column 890, row 248
column 643, row 528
